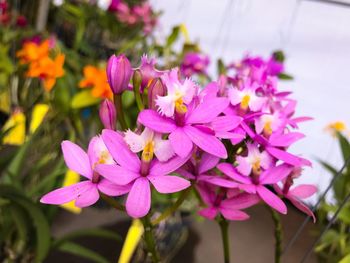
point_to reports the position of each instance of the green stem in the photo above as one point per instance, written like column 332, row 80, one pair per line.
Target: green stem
column 149, row 239
column 224, row 224
column 112, row 202
column 278, row 235
column 120, row 112
column 168, row 212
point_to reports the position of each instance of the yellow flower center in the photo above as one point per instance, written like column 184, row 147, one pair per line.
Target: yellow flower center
column 245, row 102
column 268, row 128
column 148, row 151
column 256, row 167
column 103, row 157
column 180, row 107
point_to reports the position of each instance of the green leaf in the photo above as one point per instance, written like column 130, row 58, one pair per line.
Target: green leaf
column 285, row 76
column 221, row 67
column 78, row 250
column 84, row 99
column 173, row 36
column 328, row 167
column 279, row 56
column 19, row 218
column 344, row 145
column 345, row 259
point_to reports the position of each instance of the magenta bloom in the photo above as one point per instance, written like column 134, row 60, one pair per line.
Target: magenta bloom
column 108, row 114
column 129, row 170
column 298, row 193
column 194, row 63
column 229, row 208
column 85, row 193
column 190, row 128
column 257, row 184
column 148, row 71
column 118, row 73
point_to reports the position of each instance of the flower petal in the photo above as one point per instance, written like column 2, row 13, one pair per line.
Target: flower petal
column 229, row 170
column 138, row 202
column 154, row 121
column 116, row 174
column 120, row 151
column 287, row 157
column 218, row 181
column 65, row 194
column 244, row 167
column 209, row 212
column 208, row 161
column 163, row 149
column 168, row 184
column 206, row 142
column 303, row 191
column 208, row 110
column 275, row 174
column 302, row 207
column 271, row 199
column 76, row 159
column 89, row 197
column 285, row 140
column 112, row 189
column 135, row 141
column 235, row 215
column 180, row 142
column 240, row 201
column 164, row 168
column 226, row 123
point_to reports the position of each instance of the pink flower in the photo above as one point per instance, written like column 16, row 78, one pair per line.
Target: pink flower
column 178, row 93
column 85, row 193
column 108, row 114
column 188, row 127
column 138, row 174
column 229, row 208
column 256, row 184
column 138, row 142
column 148, row 71
column 194, row 63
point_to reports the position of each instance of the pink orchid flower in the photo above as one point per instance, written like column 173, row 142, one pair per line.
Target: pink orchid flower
column 189, row 128
column 130, row 170
column 148, row 71
column 254, row 161
column 257, row 184
column 230, row 208
column 296, row 195
column 85, row 193
column 138, row 142
column 177, row 93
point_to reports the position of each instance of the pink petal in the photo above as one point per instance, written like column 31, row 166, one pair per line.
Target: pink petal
column 218, row 181
column 228, row 169
column 154, row 121
column 207, row 162
column 285, row 140
column 244, row 167
column 249, row 188
column 163, row 149
column 234, row 137
column 76, row 159
column 112, row 189
column 234, row 214
column 206, row 193
column 120, row 151
column 168, row 184
column 209, row 212
column 116, row 174
column 275, row 174
column 256, row 103
column 226, row 123
column 89, row 197
column 271, row 199
column 287, row 157
column 303, row 191
column 208, row 110
column 180, row 142
column 138, row 202
column 234, row 96
column 302, row 207
column 164, row 168
column 207, row 143
column 185, row 173
column 65, row 194
column 240, row 201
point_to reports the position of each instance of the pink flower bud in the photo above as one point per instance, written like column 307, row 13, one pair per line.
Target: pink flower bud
column 108, row 114
column 118, row 73
column 156, row 89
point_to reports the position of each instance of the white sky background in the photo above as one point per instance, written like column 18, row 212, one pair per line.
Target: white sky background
column 316, row 41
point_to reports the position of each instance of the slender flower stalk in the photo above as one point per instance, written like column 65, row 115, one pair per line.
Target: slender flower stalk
column 224, row 227
column 120, row 113
column 150, row 239
column 278, row 235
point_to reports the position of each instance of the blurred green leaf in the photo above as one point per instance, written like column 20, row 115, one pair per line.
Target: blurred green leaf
column 84, row 99
column 328, row 167
column 173, row 36
column 344, row 145
column 345, row 259
column 78, row 250
column 279, row 56
column 285, row 76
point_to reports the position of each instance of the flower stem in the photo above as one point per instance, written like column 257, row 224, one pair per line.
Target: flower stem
column 149, row 239
column 120, row 112
column 112, row 202
column 278, row 235
column 172, row 208
column 224, row 224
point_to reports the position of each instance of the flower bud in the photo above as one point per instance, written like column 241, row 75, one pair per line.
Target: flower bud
column 108, row 114
column 156, row 89
column 118, row 73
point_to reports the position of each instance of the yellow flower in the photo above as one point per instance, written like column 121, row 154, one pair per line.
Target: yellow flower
column 334, row 127
column 16, row 126
column 96, row 79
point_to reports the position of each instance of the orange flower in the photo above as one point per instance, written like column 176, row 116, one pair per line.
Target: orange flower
column 97, row 79
column 47, row 70
column 32, row 52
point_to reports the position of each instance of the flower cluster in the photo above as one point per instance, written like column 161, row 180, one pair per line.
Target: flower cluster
column 41, row 62
column 228, row 141
column 6, row 16
column 96, row 78
column 194, row 63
